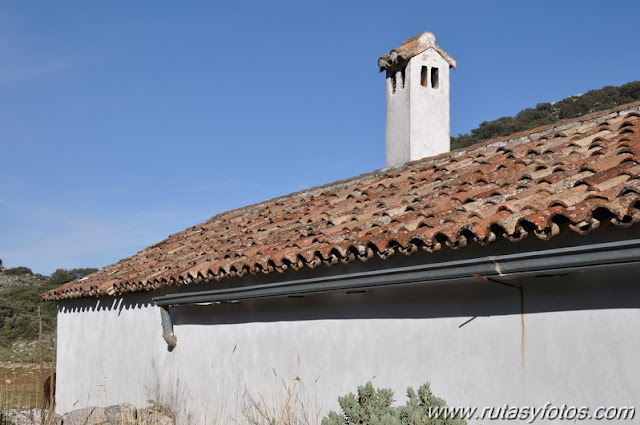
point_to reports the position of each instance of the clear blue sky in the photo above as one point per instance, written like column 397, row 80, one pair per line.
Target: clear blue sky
column 123, row 122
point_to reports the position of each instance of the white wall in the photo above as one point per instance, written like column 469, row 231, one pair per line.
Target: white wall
column 577, row 344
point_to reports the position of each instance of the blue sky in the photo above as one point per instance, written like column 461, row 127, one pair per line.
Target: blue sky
column 124, row 122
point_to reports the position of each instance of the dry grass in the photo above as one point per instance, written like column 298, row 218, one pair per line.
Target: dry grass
column 21, row 385
column 294, row 404
column 21, row 389
column 291, row 402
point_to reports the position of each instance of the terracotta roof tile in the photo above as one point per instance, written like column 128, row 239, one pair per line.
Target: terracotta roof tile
column 571, row 175
column 398, row 57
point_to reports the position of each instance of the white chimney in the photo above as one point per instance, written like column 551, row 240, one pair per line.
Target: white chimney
column 417, row 100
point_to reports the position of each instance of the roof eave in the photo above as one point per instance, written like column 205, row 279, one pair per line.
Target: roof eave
column 511, row 266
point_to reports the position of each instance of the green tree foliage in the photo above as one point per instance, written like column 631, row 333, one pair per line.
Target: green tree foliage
column 18, row 271
column 374, row 407
column 62, row 276
column 549, row 113
column 19, row 305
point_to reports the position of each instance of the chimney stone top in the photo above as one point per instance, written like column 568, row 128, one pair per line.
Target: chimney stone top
column 427, row 38
column 398, row 58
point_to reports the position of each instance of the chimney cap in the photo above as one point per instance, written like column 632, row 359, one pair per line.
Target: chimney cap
column 397, row 58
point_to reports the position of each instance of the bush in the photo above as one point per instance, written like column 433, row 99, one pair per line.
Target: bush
column 62, row 276
column 19, row 313
column 374, row 407
column 550, row 113
column 19, row 271
column 19, row 306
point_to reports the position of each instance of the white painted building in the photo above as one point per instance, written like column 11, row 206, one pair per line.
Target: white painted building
column 401, row 276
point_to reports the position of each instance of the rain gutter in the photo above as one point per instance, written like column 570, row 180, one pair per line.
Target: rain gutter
column 550, row 261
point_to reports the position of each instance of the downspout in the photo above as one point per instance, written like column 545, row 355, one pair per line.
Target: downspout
column 167, row 327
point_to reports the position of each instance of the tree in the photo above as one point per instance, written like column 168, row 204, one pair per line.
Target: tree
column 19, row 271
column 547, row 113
column 62, row 276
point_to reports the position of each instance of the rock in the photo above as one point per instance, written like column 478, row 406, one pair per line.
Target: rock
column 121, row 414
column 28, row 417
column 86, row 416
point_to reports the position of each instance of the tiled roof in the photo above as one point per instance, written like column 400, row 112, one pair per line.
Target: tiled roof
column 397, row 58
column 569, row 176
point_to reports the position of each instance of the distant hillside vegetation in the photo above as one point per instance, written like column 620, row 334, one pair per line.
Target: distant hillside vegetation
column 549, row 113
column 20, row 290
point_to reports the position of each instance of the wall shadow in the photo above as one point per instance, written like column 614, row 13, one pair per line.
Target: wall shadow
column 571, row 292
column 129, row 302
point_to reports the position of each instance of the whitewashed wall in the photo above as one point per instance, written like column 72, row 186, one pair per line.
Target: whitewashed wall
column 577, row 344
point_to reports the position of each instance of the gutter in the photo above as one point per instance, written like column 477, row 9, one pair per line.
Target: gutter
column 551, row 261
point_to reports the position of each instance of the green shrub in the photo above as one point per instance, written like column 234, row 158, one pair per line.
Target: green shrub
column 18, row 271
column 374, row 407
column 19, row 309
column 550, row 113
column 62, row 276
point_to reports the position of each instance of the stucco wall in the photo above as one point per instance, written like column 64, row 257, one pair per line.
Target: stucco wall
column 576, row 344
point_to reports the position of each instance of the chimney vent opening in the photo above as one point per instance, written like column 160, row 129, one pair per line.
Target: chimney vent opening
column 435, row 80
column 392, row 81
column 424, row 77
column 403, row 77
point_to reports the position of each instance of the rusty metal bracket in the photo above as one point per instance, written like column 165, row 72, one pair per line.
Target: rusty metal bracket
column 499, row 282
